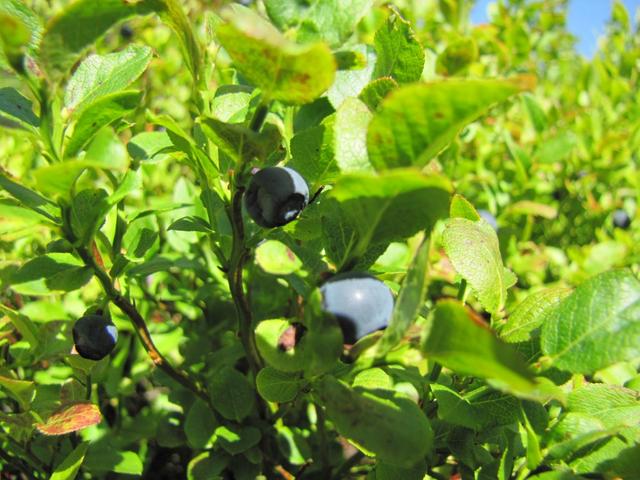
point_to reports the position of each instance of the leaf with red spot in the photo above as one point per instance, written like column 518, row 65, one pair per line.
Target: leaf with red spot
column 71, row 418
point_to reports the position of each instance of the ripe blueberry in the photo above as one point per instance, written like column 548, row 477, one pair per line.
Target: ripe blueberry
column 126, row 32
column 360, row 302
column 276, row 196
column 489, row 218
column 621, row 219
column 94, row 336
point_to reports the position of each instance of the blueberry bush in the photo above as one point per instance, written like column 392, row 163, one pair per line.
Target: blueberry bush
column 317, row 239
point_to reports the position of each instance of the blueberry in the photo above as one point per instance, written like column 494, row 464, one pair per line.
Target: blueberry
column 126, row 31
column 621, row 219
column 94, row 336
column 360, row 302
column 489, row 218
column 276, row 196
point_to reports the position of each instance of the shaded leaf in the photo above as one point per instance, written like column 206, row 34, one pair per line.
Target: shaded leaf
column 69, row 467
column 394, row 429
column 99, row 114
column 276, row 386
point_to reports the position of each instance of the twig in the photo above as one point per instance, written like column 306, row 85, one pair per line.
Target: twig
column 239, row 256
column 349, row 463
column 325, row 467
column 130, row 311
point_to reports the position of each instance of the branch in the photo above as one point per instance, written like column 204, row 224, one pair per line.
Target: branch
column 130, row 311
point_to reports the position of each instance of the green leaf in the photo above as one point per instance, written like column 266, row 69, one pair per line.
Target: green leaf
column 474, row 252
column 276, row 258
column 88, row 211
column 376, row 91
column 27, row 17
column 268, row 340
column 190, row 224
column 611, row 405
column 366, row 209
column 333, row 21
column 51, row 272
column 99, row 114
column 19, row 109
column 556, row 148
column 350, row 136
column 459, row 54
column 20, row 390
column 531, row 313
column 276, row 386
column 101, row 459
column 455, row 409
column 409, row 302
column 349, row 83
column 100, row 75
column 172, row 13
column 284, row 71
column 146, row 145
column 239, row 142
column 389, row 471
column 23, row 324
column 236, row 439
column 200, row 424
column 399, row 53
column 415, row 122
column 71, row 418
column 69, row 467
column 207, row 465
column 30, row 199
column 462, row 208
column 447, row 341
column 231, row 394
column 78, row 26
column 394, row 429
column 536, row 113
column 596, row 326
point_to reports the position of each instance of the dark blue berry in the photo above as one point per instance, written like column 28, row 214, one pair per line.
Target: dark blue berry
column 276, row 196
column 94, row 336
column 360, row 302
column 621, row 219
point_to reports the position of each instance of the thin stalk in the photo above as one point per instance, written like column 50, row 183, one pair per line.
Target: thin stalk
column 325, row 467
column 342, row 471
column 140, row 326
column 239, row 256
column 462, row 290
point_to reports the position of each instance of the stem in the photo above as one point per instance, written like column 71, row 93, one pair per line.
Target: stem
column 259, row 117
column 462, row 290
column 322, row 437
column 239, row 255
column 435, row 372
column 342, row 470
column 130, row 311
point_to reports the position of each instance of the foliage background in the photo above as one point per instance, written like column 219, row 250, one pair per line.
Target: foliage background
column 552, row 165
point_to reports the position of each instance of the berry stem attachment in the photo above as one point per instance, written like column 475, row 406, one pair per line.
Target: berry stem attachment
column 130, row 311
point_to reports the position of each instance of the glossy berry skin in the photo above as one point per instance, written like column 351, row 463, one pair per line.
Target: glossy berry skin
column 360, row 302
column 489, row 218
column 94, row 336
column 621, row 219
column 276, row 196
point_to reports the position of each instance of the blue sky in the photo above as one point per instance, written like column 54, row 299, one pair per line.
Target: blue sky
column 586, row 19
